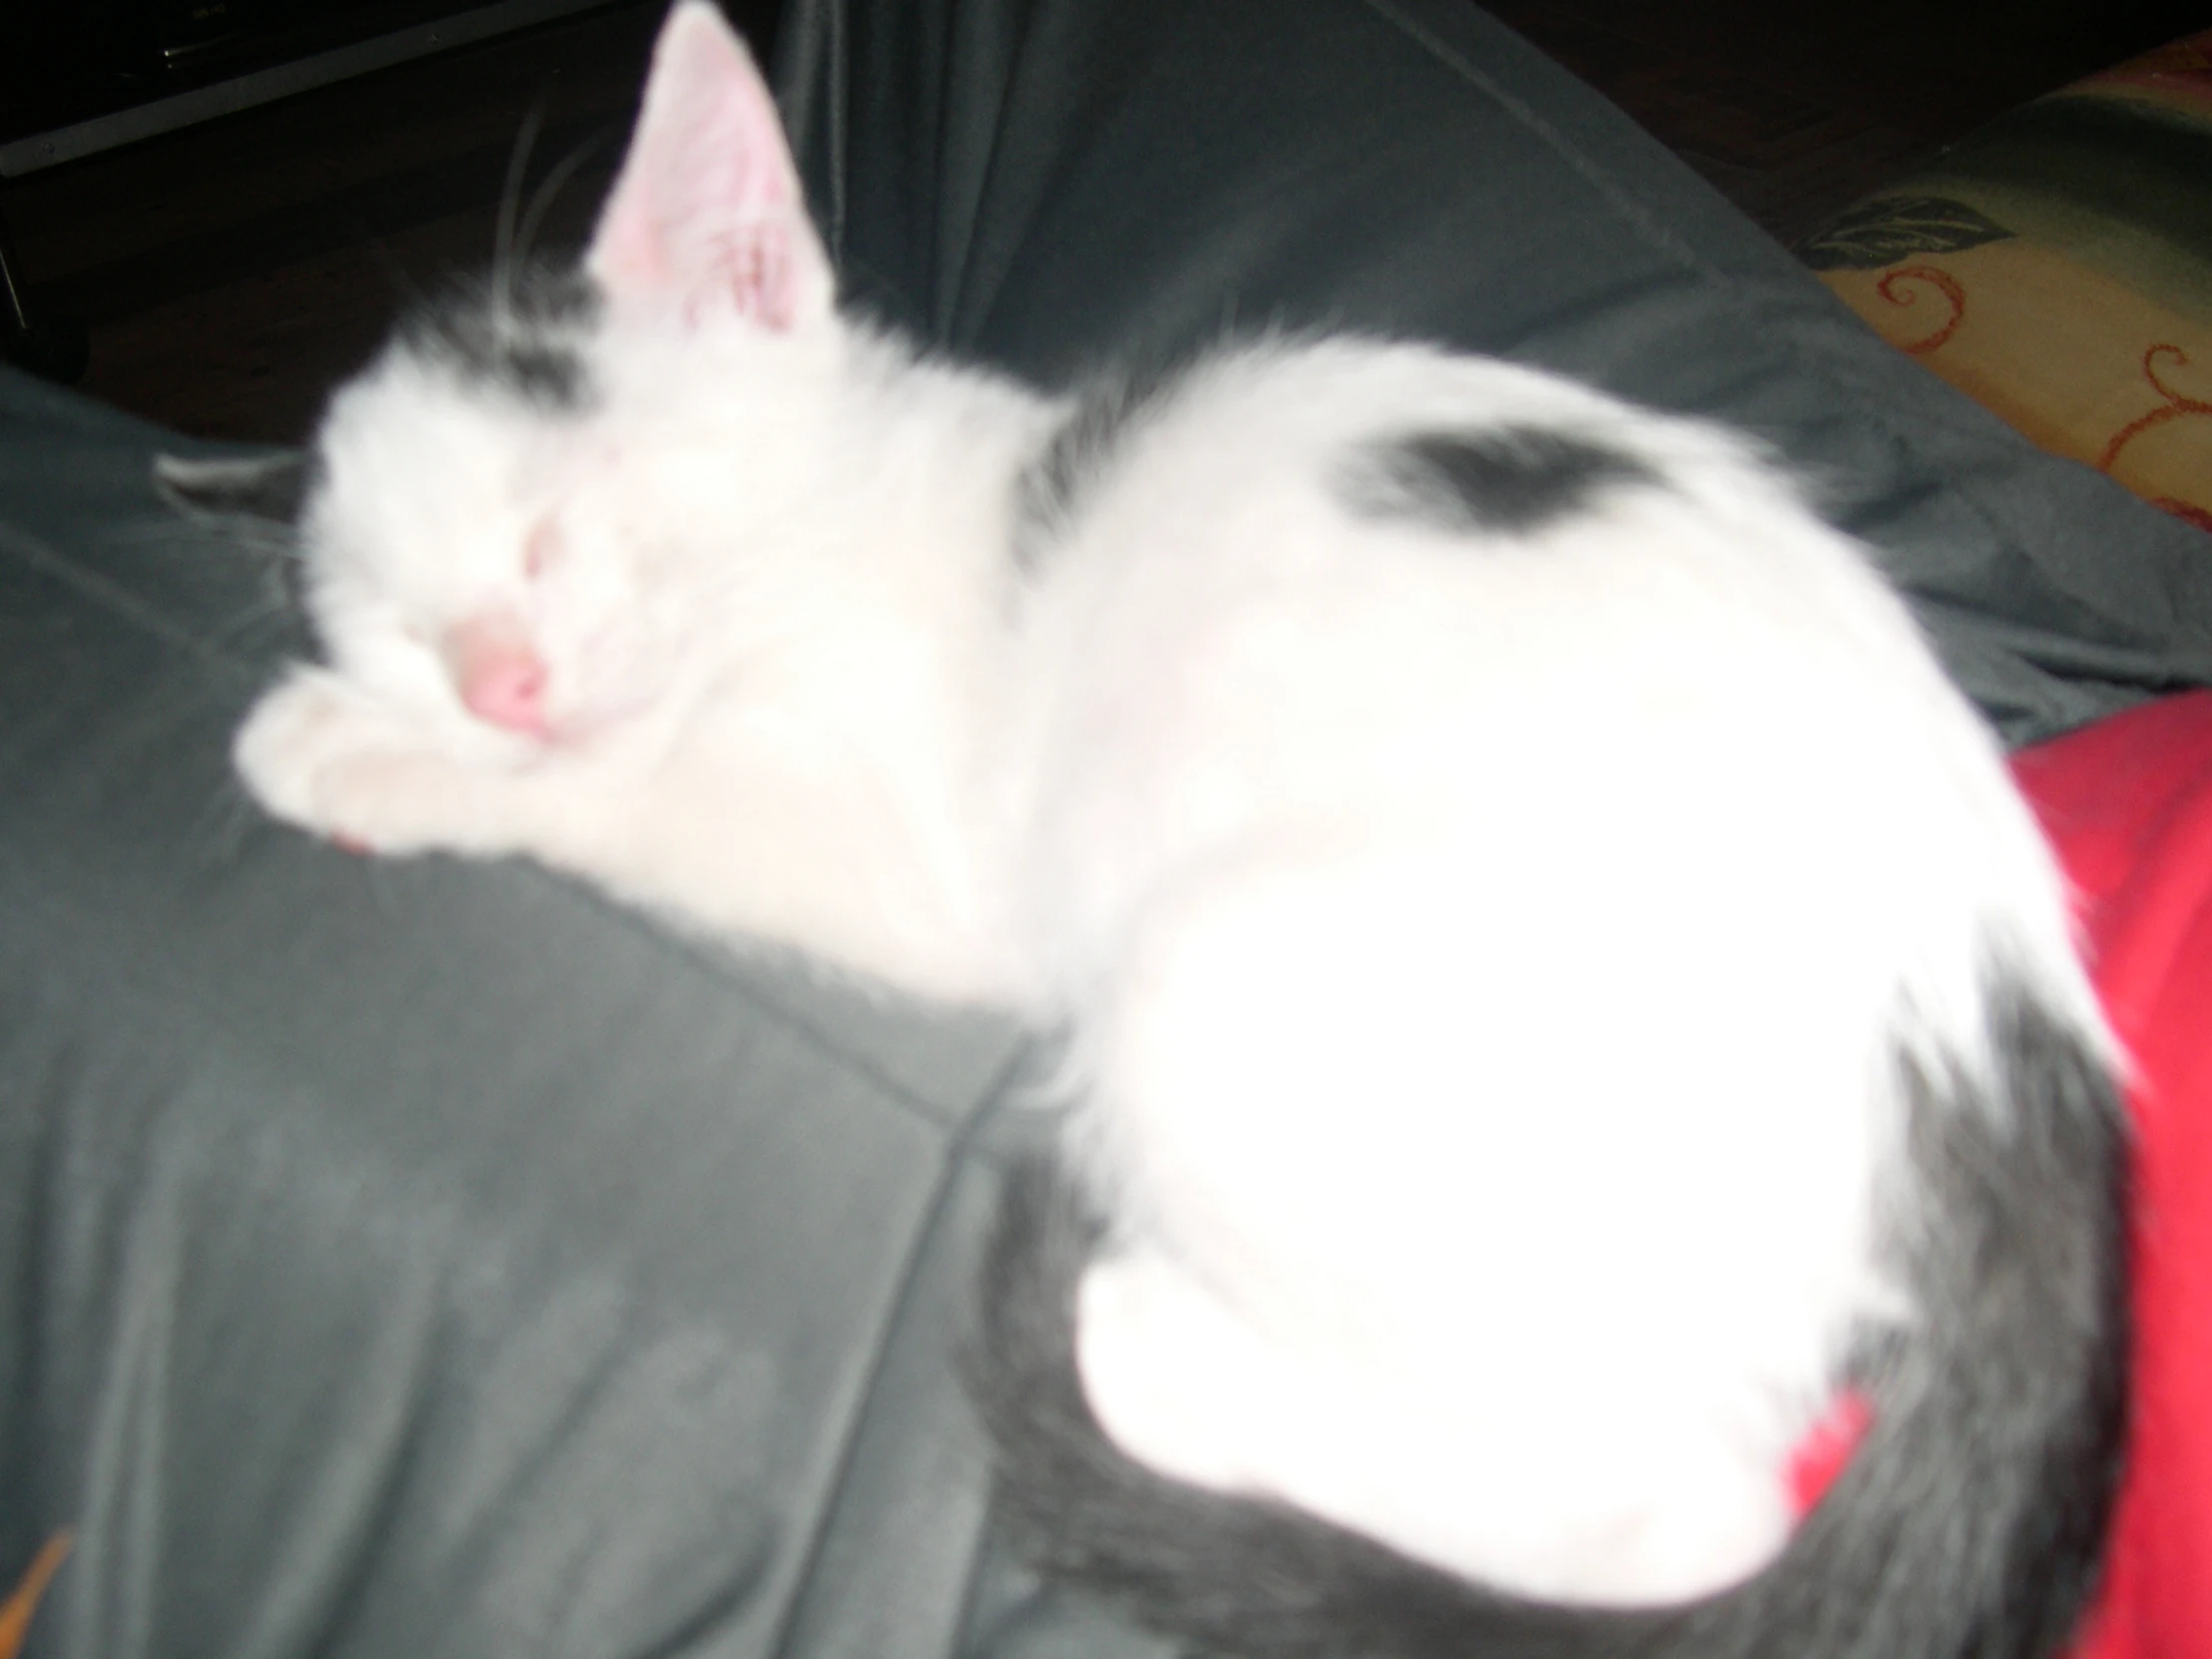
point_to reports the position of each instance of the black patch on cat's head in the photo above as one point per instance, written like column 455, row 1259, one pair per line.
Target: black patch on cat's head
column 521, row 332
column 1049, row 492
column 1512, row 480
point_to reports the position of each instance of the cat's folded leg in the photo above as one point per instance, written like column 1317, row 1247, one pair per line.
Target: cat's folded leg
column 736, row 840
column 1639, row 1507
column 320, row 754
column 1172, row 1376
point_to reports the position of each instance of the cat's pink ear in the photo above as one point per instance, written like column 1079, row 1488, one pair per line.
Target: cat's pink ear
column 707, row 215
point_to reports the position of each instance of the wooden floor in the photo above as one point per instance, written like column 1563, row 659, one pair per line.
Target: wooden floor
column 230, row 273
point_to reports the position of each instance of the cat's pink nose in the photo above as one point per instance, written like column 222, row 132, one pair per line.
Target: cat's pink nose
column 500, row 675
column 509, row 692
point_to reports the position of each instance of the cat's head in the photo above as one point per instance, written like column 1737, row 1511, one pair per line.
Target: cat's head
column 492, row 508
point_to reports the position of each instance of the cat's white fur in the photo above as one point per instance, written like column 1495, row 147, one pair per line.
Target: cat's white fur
column 1485, row 957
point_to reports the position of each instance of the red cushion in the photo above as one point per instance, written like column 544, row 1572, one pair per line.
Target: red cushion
column 2128, row 805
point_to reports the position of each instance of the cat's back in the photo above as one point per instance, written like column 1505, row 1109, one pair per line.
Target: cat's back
column 1513, row 821
column 1364, row 514
column 1321, row 574
column 1348, row 656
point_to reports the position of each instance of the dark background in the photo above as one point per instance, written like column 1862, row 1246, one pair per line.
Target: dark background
column 230, row 273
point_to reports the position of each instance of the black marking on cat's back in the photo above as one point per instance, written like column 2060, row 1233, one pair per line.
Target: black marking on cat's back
column 521, row 334
column 1509, row 479
column 1050, row 491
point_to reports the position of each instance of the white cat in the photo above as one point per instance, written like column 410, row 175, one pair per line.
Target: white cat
column 1561, row 988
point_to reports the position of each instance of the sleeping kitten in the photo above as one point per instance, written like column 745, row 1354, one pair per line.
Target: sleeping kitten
column 1563, row 997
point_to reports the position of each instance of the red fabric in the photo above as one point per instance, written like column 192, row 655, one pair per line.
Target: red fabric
column 1820, row 1457
column 2128, row 805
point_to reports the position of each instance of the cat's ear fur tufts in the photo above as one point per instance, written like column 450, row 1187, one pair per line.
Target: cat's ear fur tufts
column 708, row 216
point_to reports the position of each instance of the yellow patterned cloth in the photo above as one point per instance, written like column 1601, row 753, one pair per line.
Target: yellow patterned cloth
column 2057, row 267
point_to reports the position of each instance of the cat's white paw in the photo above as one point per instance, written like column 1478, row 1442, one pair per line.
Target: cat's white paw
column 319, row 753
